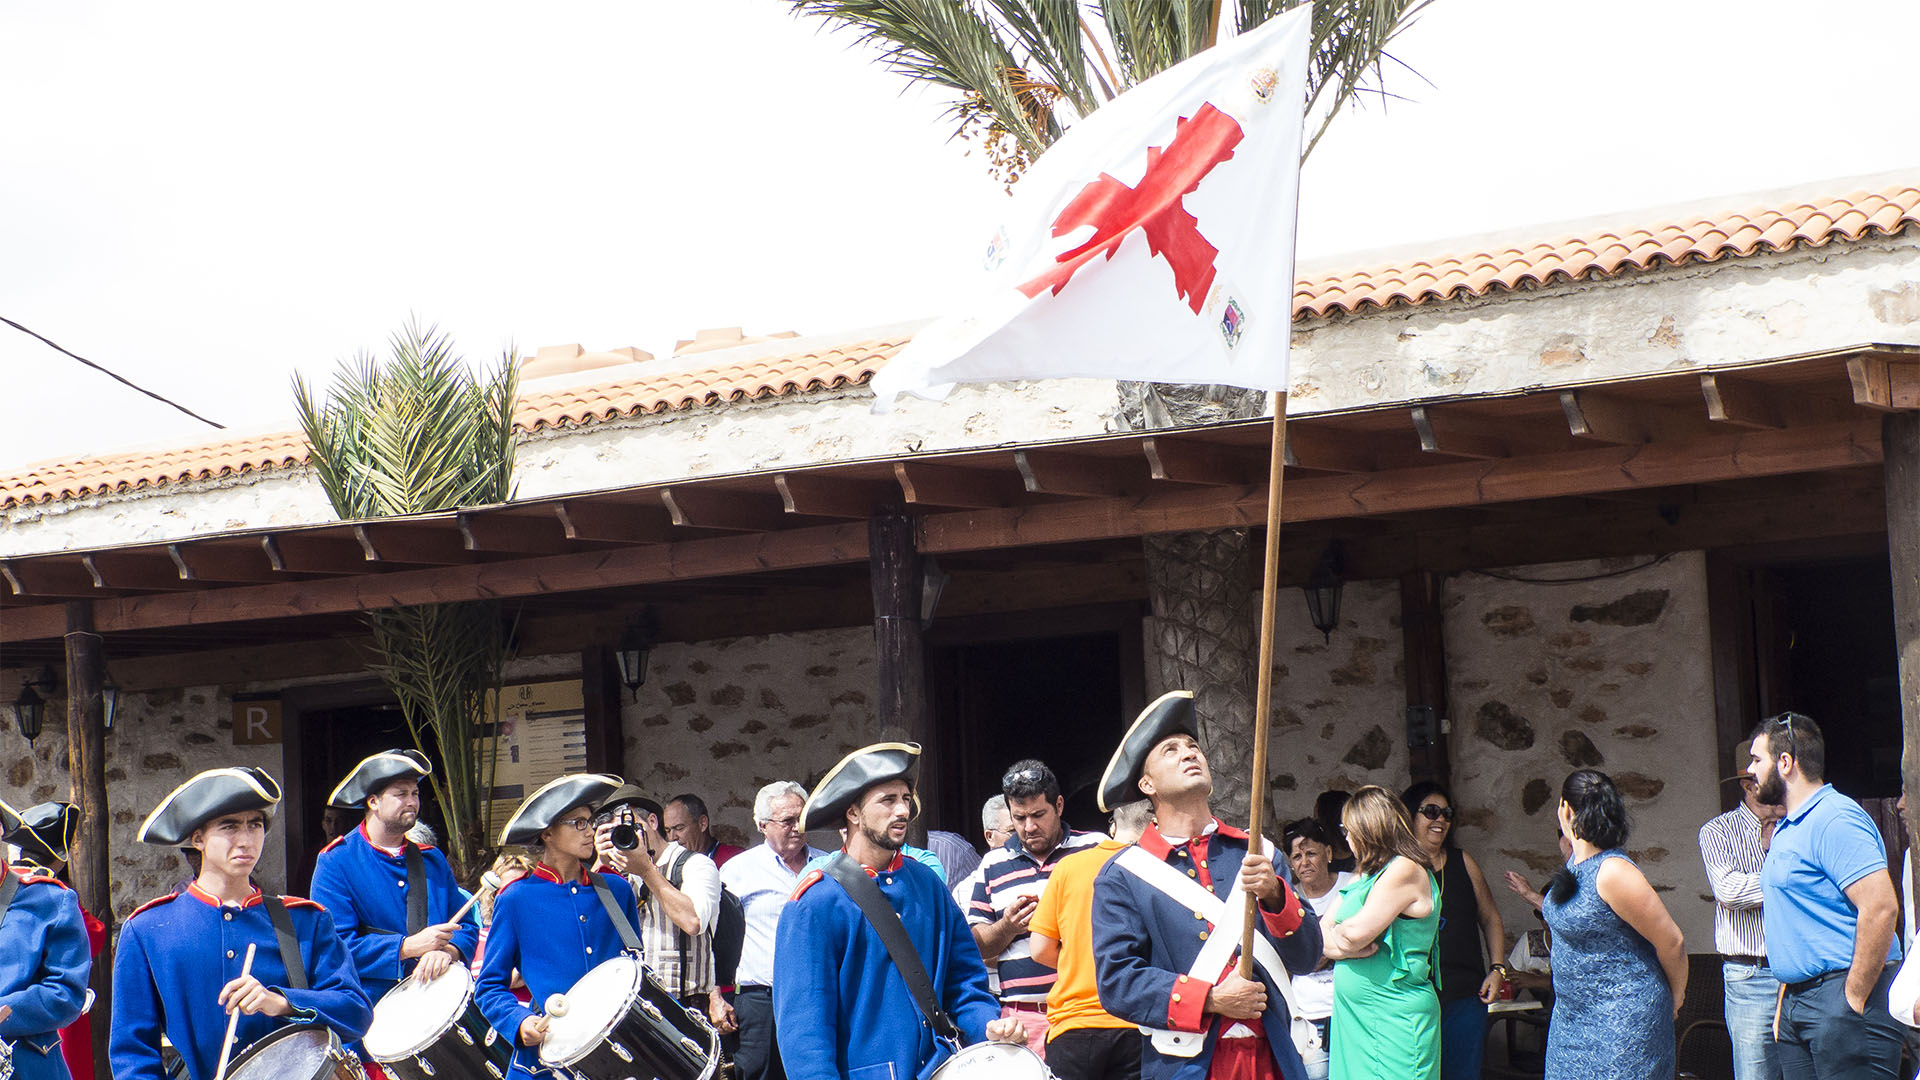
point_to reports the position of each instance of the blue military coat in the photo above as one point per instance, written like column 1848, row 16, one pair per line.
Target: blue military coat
column 365, row 890
column 842, row 1009
column 554, row 932
column 176, row 953
column 44, row 964
column 1144, row 942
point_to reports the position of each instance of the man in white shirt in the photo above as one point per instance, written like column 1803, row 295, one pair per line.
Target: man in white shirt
column 1734, row 847
column 763, row 878
column 679, row 895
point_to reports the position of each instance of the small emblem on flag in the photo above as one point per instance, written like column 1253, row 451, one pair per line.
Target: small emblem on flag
column 997, row 249
column 1264, row 81
column 1233, row 320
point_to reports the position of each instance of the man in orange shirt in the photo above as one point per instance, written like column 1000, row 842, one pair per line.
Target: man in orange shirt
column 1084, row 1041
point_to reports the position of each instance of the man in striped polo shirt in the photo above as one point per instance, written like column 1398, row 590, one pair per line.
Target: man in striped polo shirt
column 1007, row 894
column 1734, row 848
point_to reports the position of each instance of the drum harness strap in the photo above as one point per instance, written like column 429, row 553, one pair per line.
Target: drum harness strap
column 8, row 887
column 893, row 934
column 289, row 944
column 416, row 891
column 627, row 935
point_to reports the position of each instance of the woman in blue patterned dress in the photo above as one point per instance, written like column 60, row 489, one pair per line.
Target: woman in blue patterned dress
column 1619, row 965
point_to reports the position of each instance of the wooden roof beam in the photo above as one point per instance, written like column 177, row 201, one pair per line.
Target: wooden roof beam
column 1320, row 448
column 731, row 511
column 1885, row 384
column 929, row 484
column 612, row 522
column 512, row 534
column 1746, row 402
column 820, row 495
column 1048, row 472
column 1193, row 461
column 1449, row 432
column 59, row 576
column 1606, row 418
column 221, row 562
column 411, row 544
column 142, row 571
column 307, row 553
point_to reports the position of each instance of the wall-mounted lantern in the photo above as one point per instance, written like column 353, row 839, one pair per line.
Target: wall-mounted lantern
column 1323, row 591
column 636, row 644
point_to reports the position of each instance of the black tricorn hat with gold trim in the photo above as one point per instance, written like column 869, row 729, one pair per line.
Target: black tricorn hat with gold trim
column 844, row 783
column 375, row 772
column 208, row 795
column 558, row 796
column 1170, row 714
column 43, row 832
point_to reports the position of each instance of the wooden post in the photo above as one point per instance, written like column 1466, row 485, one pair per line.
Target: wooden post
column 1424, row 645
column 87, row 768
column 1900, row 439
column 899, row 645
column 1263, row 678
column 602, row 693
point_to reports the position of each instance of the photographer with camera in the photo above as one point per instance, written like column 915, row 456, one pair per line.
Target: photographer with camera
column 679, row 893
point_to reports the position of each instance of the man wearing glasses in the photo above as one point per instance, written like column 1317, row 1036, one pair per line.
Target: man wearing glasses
column 1734, row 847
column 1828, row 908
column 679, row 894
column 763, row 877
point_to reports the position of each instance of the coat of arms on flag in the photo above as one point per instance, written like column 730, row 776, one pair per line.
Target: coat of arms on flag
column 1154, row 241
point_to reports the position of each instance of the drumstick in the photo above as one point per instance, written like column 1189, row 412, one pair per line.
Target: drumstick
column 485, row 887
column 233, row 1020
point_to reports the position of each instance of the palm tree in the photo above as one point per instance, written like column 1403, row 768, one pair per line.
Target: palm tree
column 416, row 434
column 1013, row 67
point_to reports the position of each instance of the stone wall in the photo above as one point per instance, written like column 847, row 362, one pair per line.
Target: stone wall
column 723, row 718
column 1612, row 674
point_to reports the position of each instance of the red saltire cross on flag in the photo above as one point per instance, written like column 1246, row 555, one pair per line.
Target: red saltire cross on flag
column 1154, row 207
column 1153, row 241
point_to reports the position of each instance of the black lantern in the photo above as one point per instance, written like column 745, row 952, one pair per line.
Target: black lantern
column 1323, row 591
column 30, row 706
column 636, row 643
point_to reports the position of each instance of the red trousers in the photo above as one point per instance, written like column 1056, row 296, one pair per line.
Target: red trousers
column 1243, row 1059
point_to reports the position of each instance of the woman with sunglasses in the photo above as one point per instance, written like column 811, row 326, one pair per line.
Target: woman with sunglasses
column 1468, row 921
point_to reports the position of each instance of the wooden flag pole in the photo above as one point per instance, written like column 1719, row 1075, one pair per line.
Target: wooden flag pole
column 1263, row 683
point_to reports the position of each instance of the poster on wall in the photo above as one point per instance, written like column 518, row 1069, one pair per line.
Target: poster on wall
column 543, row 734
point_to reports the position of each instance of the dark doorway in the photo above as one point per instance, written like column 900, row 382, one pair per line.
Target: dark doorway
column 1796, row 630
column 1063, row 696
column 333, row 741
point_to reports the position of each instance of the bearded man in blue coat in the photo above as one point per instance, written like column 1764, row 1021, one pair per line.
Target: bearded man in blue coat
column 842, row 1008
column 178, row 967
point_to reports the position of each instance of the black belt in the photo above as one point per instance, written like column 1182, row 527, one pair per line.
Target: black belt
column 1750, row 961
column 1807, row 984
column 753, row 989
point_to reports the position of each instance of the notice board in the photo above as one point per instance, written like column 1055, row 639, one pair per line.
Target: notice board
column 542, row 735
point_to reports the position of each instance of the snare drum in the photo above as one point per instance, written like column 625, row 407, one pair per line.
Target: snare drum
column 993, row 1061
column 434, row 1029
column 619, row 1023
column 299, row 1052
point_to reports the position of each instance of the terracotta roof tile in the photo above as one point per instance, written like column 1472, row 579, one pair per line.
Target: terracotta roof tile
column 1759, row 230
column 763, row 376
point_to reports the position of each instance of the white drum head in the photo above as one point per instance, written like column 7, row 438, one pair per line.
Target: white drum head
column 304, row 1051
column 412, row 1015
column 994, row 1061
column 594, row 1006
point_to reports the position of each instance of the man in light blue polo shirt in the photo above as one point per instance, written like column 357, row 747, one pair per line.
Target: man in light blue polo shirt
column 1828, row 911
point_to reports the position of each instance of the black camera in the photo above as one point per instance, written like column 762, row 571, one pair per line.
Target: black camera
column 624, row 836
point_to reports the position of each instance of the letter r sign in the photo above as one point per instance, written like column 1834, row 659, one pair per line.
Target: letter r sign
column 256, row 722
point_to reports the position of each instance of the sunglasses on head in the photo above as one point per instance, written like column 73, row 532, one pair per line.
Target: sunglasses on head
column 1435, row 812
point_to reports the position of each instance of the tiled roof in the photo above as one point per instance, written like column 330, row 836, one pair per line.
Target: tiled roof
column 1605, row 252
column 1595, row 253
column 763, row 376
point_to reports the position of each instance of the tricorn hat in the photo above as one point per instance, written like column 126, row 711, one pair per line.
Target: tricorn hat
column 844, row 783
column 1170, row 714
column 206, row 796
column 545, row 806
column 43, row 832
column 376, row 772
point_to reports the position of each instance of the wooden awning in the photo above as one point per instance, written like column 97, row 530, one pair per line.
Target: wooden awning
column 1777, row 418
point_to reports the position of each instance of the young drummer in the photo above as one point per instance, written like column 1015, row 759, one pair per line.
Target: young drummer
column 551, row 924
column 177, row 971
column 44, row 965
column 390, row 899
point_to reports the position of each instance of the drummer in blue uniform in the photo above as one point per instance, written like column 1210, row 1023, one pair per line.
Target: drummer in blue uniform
column 553, row 924
column 44, row 964
column 177, row 968
column 1166, row 952
column 839, row 1003
column 391, row 899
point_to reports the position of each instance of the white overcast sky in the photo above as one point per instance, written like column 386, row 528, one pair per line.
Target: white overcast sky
column 206, row 197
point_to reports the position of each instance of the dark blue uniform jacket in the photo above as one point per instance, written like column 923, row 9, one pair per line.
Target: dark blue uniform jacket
column 44, row 964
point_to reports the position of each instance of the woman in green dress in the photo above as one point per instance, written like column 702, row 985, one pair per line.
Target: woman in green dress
column 1386, row 1007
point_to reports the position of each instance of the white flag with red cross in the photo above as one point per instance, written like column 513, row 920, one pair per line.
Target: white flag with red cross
column 1154, row 241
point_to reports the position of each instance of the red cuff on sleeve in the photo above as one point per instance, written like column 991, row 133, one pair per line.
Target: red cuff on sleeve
column 1293, row 912
column 1187, row 1006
